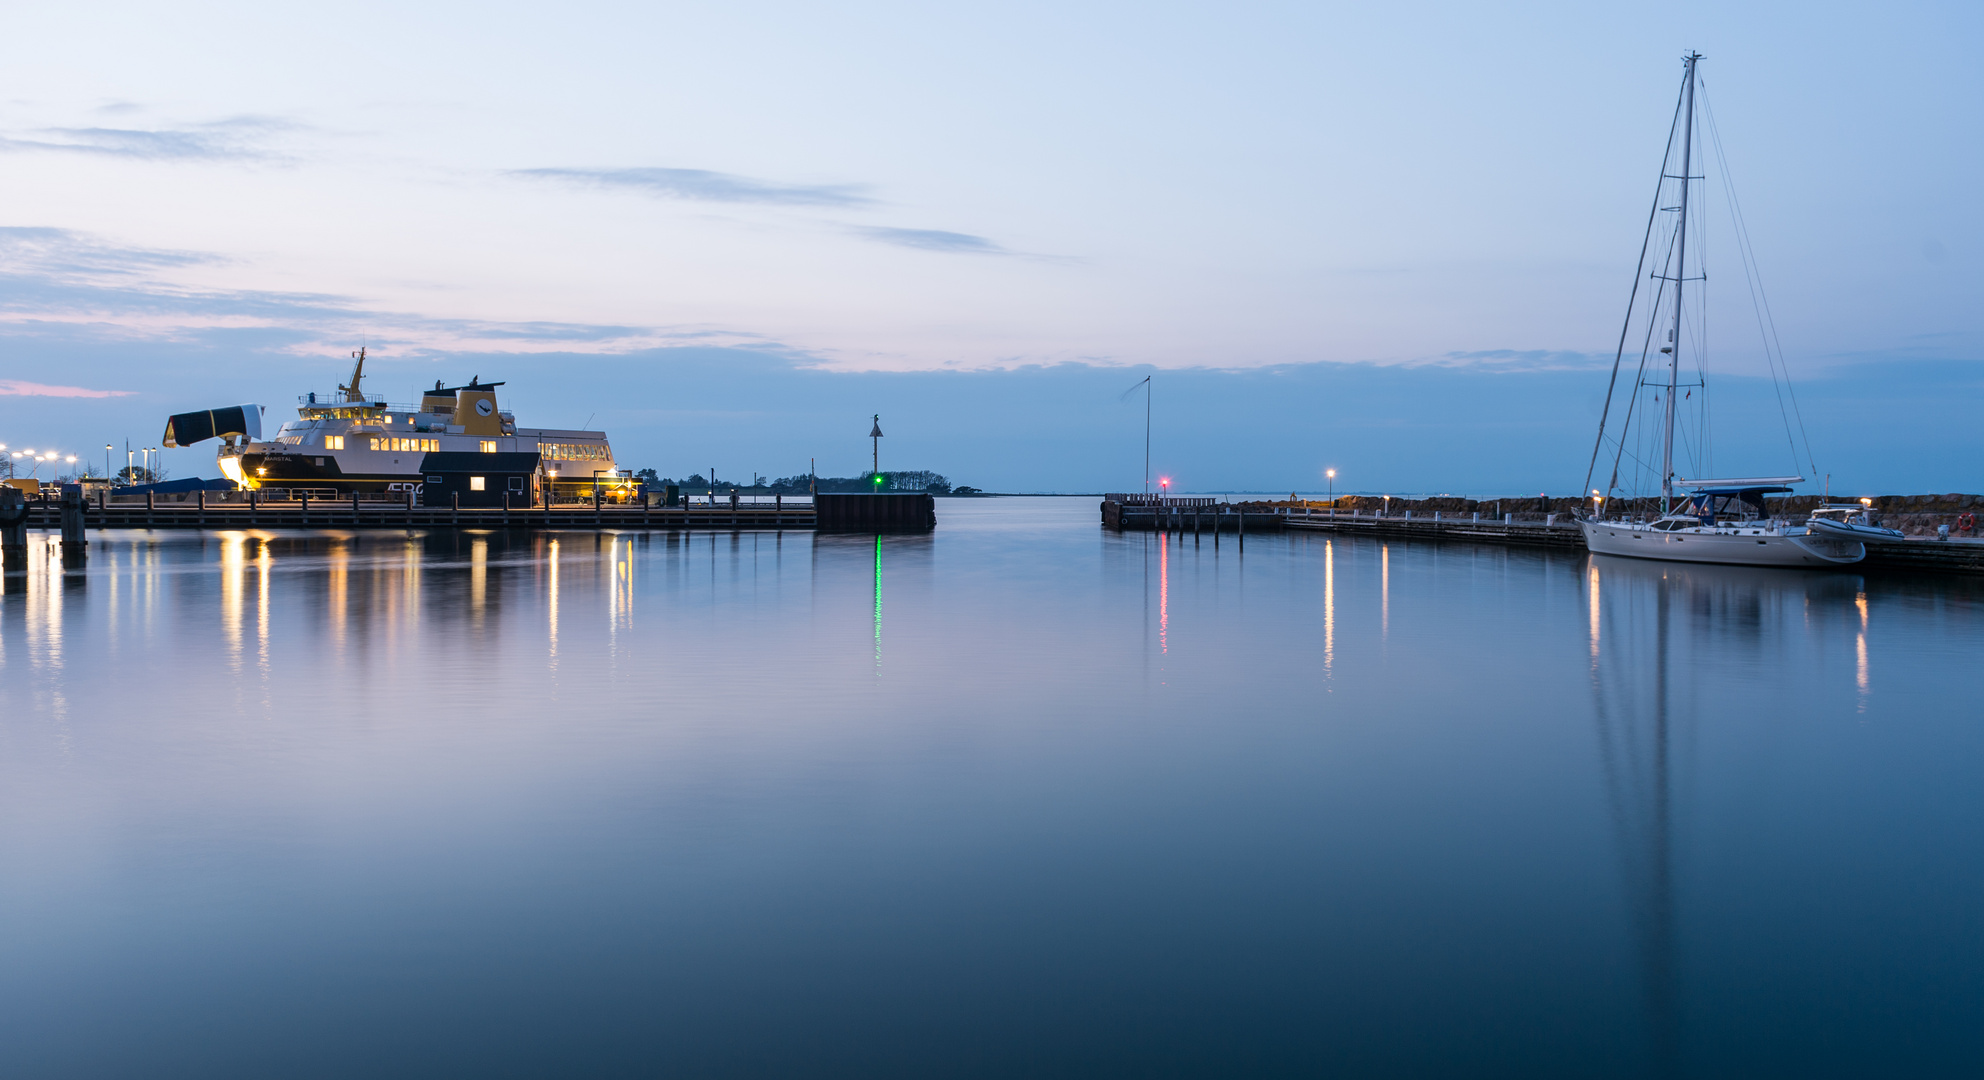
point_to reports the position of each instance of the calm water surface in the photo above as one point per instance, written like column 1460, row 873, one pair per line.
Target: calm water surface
column 1022, row 797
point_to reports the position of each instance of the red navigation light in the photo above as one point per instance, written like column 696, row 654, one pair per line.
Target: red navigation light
column 1165, row 482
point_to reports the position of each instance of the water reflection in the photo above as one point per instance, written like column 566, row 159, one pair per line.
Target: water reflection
column 1329, row 609
column 1654, row 629
column 878, row 606
column 1488, row 836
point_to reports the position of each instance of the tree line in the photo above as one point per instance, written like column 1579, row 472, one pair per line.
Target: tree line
column 899, row 480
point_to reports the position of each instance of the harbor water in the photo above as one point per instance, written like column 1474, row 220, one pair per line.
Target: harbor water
column 1019, row 797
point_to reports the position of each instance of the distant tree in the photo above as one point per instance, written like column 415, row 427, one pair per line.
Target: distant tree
column 137, row 474
column 648, row 477
column 909, row 480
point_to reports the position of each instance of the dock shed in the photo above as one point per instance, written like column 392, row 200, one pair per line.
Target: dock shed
column 479, row 479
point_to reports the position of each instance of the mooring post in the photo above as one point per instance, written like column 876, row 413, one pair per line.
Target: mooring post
column 200, row 501
column 251, row 506
column 354, row 508
column 75, row 542
column 409, row 504
column 455, row 508
column 306, row 508
column 506, row 508
column 150, row 506
column 13, row 531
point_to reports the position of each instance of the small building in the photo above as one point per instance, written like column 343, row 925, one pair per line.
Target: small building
column 483, row 480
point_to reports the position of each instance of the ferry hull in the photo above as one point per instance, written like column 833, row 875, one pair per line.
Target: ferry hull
column 1728, row 547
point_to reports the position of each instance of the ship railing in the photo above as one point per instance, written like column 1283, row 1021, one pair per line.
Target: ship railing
column 336, row 401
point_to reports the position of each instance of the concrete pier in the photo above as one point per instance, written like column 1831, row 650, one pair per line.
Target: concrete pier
column 351, row 513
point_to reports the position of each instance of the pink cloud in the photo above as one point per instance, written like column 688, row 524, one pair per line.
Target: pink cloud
column 17, row 388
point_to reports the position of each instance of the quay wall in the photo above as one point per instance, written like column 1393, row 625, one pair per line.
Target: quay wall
column 1913, row 515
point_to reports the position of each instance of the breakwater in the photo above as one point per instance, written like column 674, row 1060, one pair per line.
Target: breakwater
column 1544, row 522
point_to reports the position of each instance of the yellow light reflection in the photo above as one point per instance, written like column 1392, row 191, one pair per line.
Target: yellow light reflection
column 551, row 602
column 1591, row 579
column 1385, row 593
column 233, row 579
column 478, row 576
column 264, row 561
column 1860, row 650
column 340, row 585
column 1329, row 608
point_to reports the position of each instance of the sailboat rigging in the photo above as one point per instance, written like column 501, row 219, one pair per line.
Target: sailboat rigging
column 1718, row 520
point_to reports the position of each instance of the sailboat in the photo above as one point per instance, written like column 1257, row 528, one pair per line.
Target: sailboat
column 1703, row 520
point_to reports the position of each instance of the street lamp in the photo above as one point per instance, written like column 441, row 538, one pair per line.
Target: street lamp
column 1596, row 499
column 1331, row 473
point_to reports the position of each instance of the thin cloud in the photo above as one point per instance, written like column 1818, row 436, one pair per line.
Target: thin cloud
column 236, row 139
column 17, row 388
column 932, row 240
column 702, row 185
column 64, row 254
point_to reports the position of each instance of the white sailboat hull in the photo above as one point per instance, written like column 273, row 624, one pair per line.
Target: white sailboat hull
column 1721, row 544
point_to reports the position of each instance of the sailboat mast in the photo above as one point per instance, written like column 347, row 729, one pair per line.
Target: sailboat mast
column 1680, row 276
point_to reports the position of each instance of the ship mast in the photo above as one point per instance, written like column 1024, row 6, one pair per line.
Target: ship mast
column 1680, row 275
column 352, row 393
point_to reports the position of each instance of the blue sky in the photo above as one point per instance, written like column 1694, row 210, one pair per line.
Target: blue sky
column 1396, row 240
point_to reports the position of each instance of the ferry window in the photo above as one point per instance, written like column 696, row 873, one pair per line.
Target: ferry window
column 489, row 446
column 475, row 483
column 333, row 442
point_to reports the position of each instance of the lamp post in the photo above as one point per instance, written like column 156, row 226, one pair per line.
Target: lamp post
column 1596, row 499
column 1331, row 473
column 875, row 434
column 106, row 461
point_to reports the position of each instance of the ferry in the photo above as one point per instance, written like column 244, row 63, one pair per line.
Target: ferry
column 457, row 444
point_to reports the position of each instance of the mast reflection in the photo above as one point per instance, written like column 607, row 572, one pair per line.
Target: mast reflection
column 1652, row 625
column 1630, row 656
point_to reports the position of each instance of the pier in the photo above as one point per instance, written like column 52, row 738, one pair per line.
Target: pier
column 76, row 516
column 1929, row 552
column 198, row 510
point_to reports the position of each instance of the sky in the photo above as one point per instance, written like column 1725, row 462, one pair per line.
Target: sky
column 1395, row 240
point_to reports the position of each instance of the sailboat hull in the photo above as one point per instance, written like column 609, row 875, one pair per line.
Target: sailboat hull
column 1728, row 546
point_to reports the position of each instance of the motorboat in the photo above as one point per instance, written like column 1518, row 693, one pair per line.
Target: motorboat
column 1849, row 520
